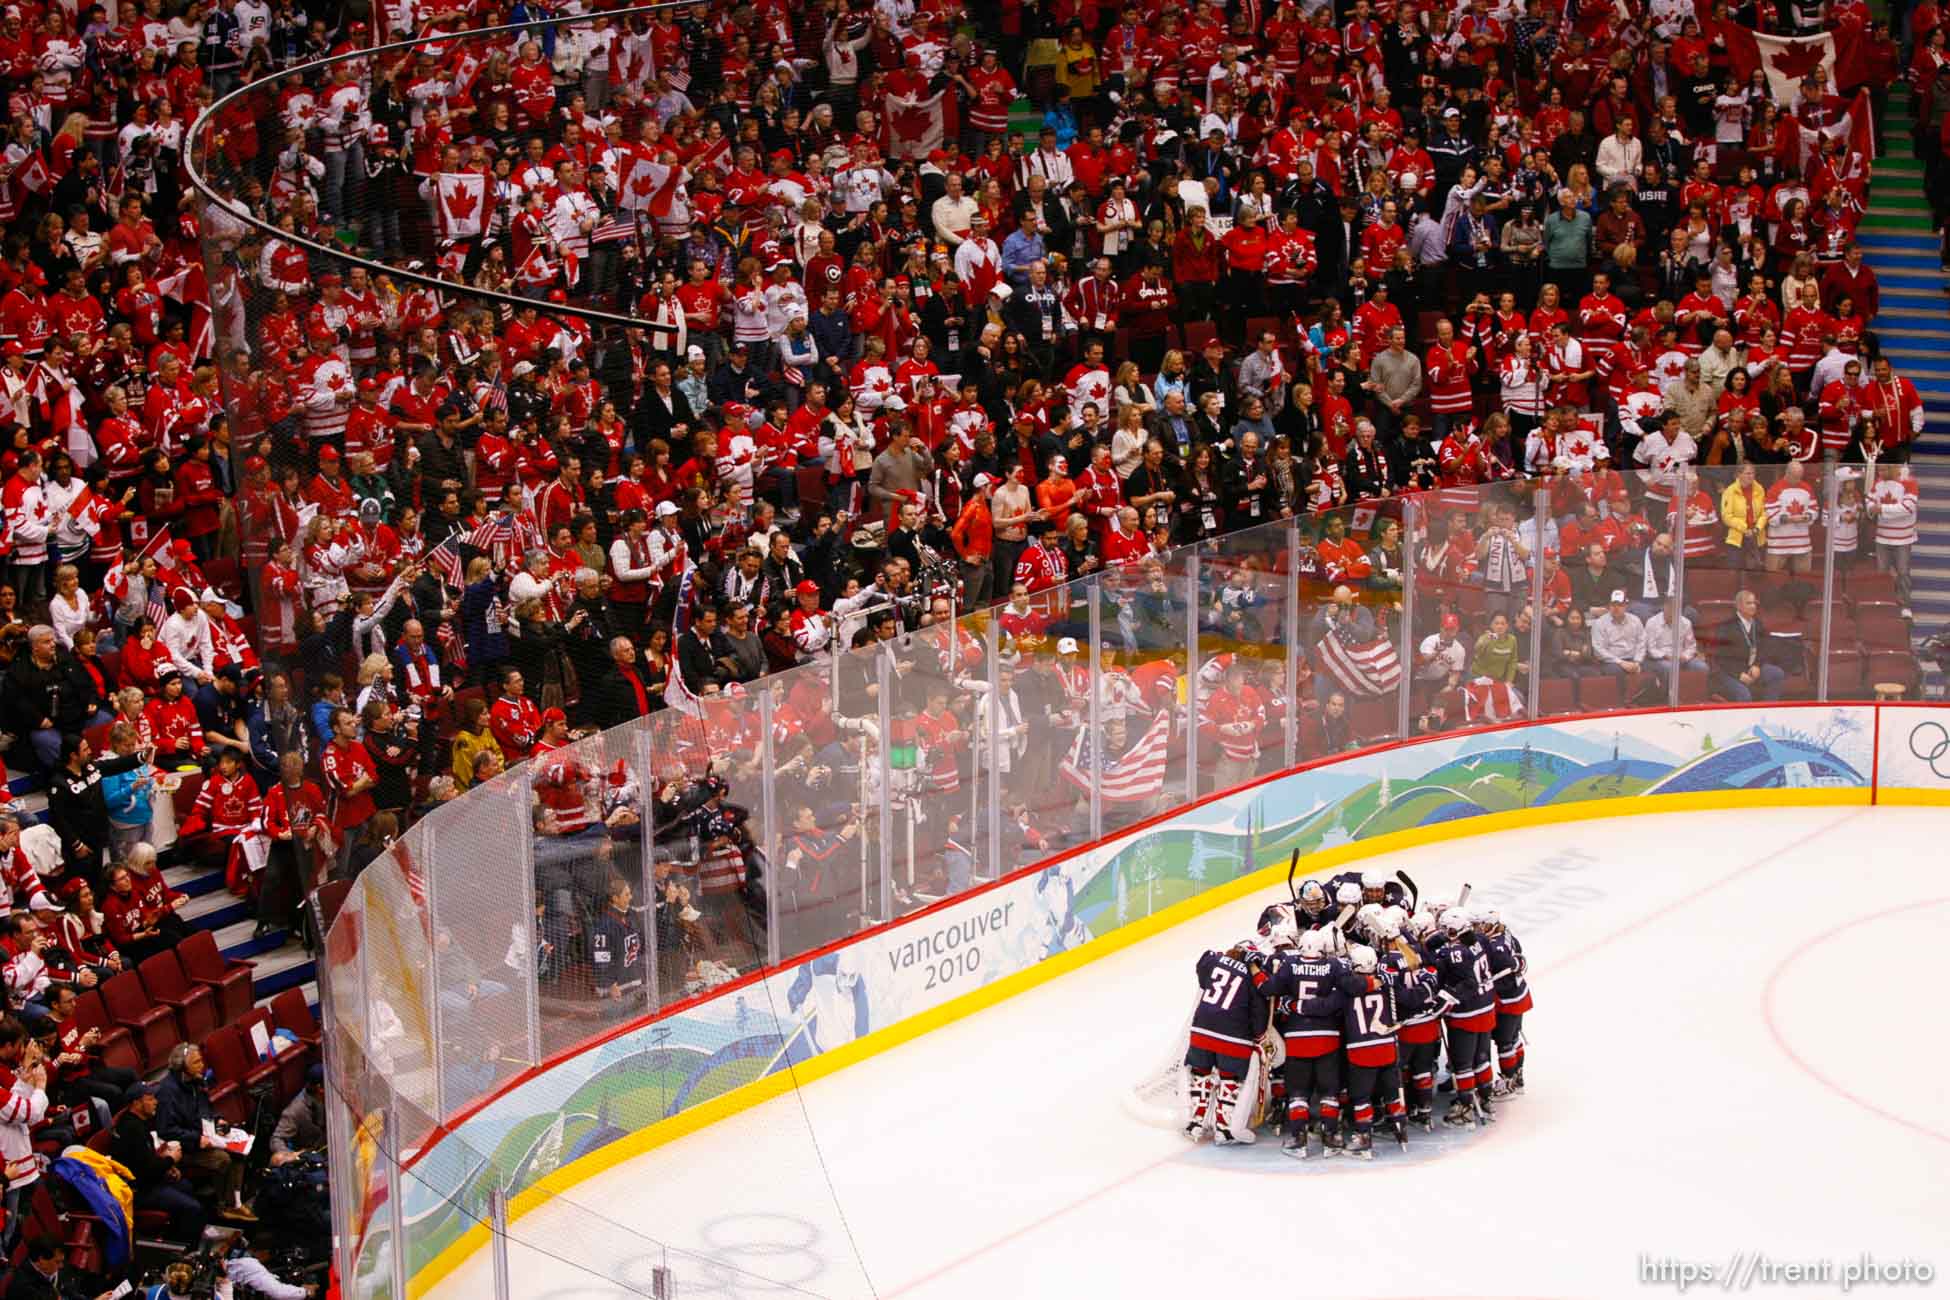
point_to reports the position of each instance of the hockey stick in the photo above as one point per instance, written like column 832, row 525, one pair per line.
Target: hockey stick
column 1414, row 890
column 1463, row 896
column 1293, row 864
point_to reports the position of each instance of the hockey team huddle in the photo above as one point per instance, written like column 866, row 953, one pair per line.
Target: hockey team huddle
column 1362, row 993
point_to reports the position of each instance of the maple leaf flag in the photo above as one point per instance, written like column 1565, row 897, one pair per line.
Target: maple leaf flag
column 32, row 174
column 915, row 127
column 1788, row 59
column 651, row 187
column 463, row 204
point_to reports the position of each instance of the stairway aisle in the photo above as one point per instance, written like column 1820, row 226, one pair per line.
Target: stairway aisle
column 1913, row 328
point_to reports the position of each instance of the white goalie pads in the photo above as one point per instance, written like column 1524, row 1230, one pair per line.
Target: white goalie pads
column 1162, row 1096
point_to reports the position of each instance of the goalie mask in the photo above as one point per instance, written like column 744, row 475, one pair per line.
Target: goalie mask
column 1313, row 896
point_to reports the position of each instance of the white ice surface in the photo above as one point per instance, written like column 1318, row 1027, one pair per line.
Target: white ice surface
column 1738, row 1045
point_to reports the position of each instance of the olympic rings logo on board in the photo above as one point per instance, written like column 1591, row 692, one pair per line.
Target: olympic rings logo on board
column 1930, row 742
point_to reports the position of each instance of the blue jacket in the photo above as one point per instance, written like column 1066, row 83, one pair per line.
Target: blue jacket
column 127, row 795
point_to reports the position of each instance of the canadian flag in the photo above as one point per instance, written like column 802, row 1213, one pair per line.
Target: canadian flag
column 653, row 187
column 915, row 127
column 32, row 174
column 463, row 204
column 1488, row 700
column 1787, row 59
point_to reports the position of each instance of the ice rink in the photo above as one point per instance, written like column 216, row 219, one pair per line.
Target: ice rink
column 1738, row 1046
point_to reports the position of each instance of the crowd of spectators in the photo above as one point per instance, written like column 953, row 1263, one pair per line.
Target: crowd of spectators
column 334, row 497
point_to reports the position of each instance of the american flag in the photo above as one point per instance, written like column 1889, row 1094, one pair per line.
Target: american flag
column 452, row 648
column 680, row 622
column 444, row 560
column 497, row 396
column 1139, row 774
column 1367, row 666
column 678, row 695
column 613, row 231
column 794, row 376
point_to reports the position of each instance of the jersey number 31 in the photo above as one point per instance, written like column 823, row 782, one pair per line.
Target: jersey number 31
column 1225, row 987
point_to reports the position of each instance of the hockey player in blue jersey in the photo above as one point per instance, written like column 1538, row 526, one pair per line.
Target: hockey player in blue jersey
column 1368, row 1027
column 1469, row 998
column 1315, row 908
column 1227, row 1021
column 1510, row 974
column 1419, row 1006
column 1309, row 990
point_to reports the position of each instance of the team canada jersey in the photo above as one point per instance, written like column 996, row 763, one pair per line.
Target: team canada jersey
column 1231, row 1009
column 1510, row 973
column 1463, row 971
column 1308, row 998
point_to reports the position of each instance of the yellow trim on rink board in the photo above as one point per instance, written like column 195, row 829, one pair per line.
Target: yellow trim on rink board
column 1912, row 796
column 762, row 1090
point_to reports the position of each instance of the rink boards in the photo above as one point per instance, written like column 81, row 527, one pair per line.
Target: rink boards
column 750, row 1041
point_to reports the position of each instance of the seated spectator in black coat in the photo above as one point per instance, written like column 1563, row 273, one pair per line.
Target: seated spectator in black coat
column 160, row 1183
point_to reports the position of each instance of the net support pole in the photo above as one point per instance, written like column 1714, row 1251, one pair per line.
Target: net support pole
column 1540, row 522
column 1676, row 605
column 1191, row 674
column 646, row 764
column 1092, row 590
column 1290, row 627
column 994, row 656
column 1405, row 697
column 498, row 1241
column 884, row 675
column 769, row 809
column 1831, row 491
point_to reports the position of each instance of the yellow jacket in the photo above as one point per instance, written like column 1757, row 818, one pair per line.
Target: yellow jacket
column 1744, row 512
column 467, row 746
column 114, row 1176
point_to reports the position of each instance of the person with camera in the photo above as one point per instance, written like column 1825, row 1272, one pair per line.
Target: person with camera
column 23, row 1104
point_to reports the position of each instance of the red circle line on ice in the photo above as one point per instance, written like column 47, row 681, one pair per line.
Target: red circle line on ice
column 1770, row 994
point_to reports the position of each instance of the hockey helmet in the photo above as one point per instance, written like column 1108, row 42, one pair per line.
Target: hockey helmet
column 1374, row 886
column 1456, row 920
column 1313, row 896
column 1276, row 926
column 1348, row 895
column 1488, row 919
column 1362, row 958
column 1366, row 918
column 1312, row 944
column 1388, row 924
column 1422, row 924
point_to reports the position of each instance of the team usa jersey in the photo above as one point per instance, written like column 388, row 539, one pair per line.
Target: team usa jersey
column 1418, row 1000
column 1463, row 971
column 1309, row 997
column 1231, row 1010
column 1368, row 1023
column 1509, row 972
column 616, row 951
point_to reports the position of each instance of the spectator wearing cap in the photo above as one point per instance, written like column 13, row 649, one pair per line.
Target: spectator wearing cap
column 156, row 1164
column 973, row 535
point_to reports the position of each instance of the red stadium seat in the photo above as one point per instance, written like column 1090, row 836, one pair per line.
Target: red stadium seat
column 195, row 1006
column 153, row 1029
column 229, row 980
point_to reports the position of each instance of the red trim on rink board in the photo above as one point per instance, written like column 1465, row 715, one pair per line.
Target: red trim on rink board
column 473, row 1108
column 1875, row 760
